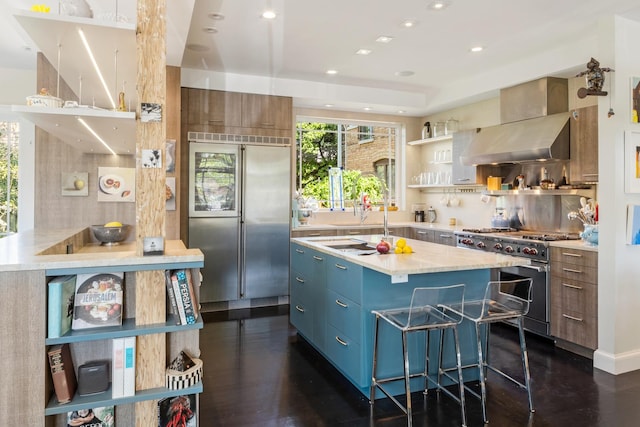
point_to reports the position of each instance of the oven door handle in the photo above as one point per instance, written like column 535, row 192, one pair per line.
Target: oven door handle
column 539, row 268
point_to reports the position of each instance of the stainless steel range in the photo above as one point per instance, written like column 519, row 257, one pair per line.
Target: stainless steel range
column 528, row 244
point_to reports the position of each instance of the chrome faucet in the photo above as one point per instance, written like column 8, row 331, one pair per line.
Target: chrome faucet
column 364, row 209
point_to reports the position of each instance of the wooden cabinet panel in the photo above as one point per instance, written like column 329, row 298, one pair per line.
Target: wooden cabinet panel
column 313, row 233
column 214, row 108
column 424, row 235
column 266, row 111
column 584, row 145
column 445, row 238
column 574, row 296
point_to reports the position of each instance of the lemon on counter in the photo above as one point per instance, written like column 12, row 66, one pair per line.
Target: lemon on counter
column 397, row 250
column 407, row 249
column 401, row 243
column 113, row 224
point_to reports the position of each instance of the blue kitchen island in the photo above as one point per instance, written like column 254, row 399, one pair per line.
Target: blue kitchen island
column 334, row 288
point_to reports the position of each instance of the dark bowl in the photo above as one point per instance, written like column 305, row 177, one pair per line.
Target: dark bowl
column 110, row 235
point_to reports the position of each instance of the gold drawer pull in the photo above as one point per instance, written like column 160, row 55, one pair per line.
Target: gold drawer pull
column 341, row 304
column 299, row 280
column 300, row 251
column 570, row 270
column 572, row 254
column 341, row 267
column 318, row 258
column 342, row 342
column 566, row 316
column 566, row 285
column 300, row 309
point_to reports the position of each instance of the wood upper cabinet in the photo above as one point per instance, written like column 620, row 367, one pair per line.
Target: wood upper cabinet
column 214, row 107
column 266, row 111
column 584, row 145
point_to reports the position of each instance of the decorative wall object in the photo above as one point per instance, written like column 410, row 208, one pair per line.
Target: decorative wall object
column 632, row 162
column 151, row 159
column 170, row 155
column 75, row 183
column 171, row 193
column 116, row 184
column 150, row 112
column 635, row 99
column 633, row 225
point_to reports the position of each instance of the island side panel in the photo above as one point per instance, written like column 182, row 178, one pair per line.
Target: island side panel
column 26, row 387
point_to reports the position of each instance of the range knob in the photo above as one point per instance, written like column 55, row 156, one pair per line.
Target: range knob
column 509, row 250
column 481, row 245
column 530, row 251
column 467, row 242
column 497, row 246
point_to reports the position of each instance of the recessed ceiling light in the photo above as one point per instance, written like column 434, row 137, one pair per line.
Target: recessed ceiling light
column 405, row 73
column 367, row 108
column 477, row 49
column 384, row 39
column 328, row 105
column 439, row 4
column 363, row 51
column 269, row 14
column 210, row 30
column 401, row 111
column 409, row 23
column 216, row 16
column 332, row 72
column 197, row 47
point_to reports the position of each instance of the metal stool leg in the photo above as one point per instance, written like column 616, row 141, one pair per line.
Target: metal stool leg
column 427, row 338
column 372, row 388
column 525, row 364
column 407, row 379
column 460, row 378
column 481, row 374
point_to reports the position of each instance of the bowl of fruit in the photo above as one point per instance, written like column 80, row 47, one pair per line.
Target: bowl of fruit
column 112, row 233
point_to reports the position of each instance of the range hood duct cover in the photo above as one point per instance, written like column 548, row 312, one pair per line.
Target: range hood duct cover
column 535, row 126
column 542, row 138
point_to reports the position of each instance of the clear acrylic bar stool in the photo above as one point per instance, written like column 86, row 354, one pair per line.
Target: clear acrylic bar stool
column 427, row 313
column 503, row 300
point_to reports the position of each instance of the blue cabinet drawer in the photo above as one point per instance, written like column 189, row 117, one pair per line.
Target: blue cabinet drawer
column 301, row 316
column 344, row 315
column 301, row 258
column 344, row 278
column 346, row 355
column 300, row 287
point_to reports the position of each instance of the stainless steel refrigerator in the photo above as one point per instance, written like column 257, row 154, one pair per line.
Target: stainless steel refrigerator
column 239, row 210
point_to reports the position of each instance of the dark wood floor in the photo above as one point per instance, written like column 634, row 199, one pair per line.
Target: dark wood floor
column 258, row 372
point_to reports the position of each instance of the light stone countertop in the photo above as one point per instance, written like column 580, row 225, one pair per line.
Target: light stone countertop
column 18, row 252
column 574, row 244
column 427, row 257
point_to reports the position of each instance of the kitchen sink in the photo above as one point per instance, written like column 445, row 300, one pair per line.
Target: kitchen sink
column 352, row 246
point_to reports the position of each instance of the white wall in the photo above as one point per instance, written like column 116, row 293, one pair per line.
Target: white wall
column 16, row 85
column 619, row 269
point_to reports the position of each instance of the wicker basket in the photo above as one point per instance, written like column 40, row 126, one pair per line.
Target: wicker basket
column 44, row 101
column 178, row 377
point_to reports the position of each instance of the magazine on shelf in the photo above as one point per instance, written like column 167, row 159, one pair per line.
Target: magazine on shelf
column 98, row 300
column 179, row 411
column 103, row 416
column 61, row 291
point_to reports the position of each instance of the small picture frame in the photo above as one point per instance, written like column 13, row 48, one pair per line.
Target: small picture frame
column 635, row 99
column 75, row 183
column 151, row 159
column 153, row 246
column 150, row 112
column 632, row 162
column 170, row 156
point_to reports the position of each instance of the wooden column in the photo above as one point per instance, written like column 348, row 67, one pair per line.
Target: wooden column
column 150, row 199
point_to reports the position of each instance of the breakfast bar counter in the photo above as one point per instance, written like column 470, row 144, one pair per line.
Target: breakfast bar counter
column 333, row 292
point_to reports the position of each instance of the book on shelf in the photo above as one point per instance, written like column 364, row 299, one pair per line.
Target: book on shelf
column 179, row 411
column 180, row 306
column 103, row 416
column 62, row 372
column 186, row 295
column 129, row 374
column 117, row 368
column 61, row 291
column 172, row 308
column 98, row 300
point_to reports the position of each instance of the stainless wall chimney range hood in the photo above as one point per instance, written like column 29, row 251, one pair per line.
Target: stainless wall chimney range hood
column 535, row 126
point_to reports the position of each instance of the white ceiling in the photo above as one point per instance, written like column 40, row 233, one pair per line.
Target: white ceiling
column 290, row 55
